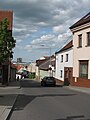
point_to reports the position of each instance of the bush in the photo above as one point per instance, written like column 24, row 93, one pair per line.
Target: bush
column 32, row 75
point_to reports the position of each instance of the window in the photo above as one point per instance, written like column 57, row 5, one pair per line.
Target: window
column 83, row 69
column 66, row 57
column 88, row 39
column 61, row 73
column 80, row 40
column 61, row 58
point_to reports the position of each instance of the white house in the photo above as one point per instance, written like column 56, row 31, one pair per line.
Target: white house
column 32, row 67
column 81, row 51
column 64, row 64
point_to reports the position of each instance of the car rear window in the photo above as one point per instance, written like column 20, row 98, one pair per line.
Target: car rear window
column 50, row 78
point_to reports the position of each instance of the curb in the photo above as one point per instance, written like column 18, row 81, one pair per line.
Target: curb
column 8, row 110
column 83, row 90
column 9, row 115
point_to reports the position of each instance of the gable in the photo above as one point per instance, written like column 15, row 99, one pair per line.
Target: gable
column 66, row 47
column 82, row 21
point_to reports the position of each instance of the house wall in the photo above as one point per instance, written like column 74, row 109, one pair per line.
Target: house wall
column 37, row 73
column 81, row 82
column 43, row 73
column 13, row 74
column 32, row 67
column 80, row 53
column 60, row 65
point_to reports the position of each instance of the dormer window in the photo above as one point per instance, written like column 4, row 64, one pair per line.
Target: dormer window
column 88, row 39
column 80, row 40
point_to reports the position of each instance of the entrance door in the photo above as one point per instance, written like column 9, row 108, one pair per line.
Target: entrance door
column 67, row 75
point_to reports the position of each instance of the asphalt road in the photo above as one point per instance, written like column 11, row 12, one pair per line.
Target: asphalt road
column 50, row 103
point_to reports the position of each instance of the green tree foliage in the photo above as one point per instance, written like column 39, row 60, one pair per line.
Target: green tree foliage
column 7, row 42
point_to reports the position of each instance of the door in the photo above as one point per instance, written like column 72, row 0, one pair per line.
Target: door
column 68, row 75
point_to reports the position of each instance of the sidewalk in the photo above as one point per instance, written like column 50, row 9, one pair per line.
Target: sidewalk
column 8, row 96
column 6, row 105
column 80, row 89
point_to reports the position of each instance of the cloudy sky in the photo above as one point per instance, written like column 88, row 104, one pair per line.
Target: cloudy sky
column 41, row 25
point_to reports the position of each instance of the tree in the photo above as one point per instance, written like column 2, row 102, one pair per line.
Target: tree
column 7, row 42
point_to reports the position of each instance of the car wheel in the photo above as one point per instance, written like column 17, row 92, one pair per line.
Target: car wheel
column 41, row 84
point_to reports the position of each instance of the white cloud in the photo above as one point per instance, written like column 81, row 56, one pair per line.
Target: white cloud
column 64, row 36
column 43, row 39
column 57, row 28
column 42, row 24
column 44, row 21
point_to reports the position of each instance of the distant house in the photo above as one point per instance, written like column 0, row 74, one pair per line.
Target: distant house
column 38, row 63
column 46, row 67
column 31, row 67
column 64, row 64
column 81, row 51
column 12, row 72
column 5, row 68
column 21, row 68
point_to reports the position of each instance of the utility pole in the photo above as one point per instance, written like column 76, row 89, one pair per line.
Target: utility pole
column 50, row 65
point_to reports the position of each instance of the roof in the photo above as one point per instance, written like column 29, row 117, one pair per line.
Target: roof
column 82, row 21
column 66, row 47
column 8, row 15
column 45, row 64
column 40, row 61
column 18, row 67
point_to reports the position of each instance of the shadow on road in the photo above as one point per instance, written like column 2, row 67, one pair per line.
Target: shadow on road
column 23, row 100
column 79, row 117
column 7, row 99
column 29, row 83
column 32, row 83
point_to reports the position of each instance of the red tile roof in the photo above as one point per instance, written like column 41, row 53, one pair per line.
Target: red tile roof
column 8, row 15
column 19, row 67
column 82, row 21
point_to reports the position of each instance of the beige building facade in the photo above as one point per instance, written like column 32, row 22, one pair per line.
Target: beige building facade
column 81, row 52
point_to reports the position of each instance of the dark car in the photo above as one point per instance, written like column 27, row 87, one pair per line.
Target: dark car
column 48, row 81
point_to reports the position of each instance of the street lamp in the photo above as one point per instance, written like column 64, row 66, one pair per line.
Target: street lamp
column 50, row 66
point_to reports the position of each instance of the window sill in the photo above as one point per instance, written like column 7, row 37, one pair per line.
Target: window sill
column 87, row 46
column 79, row 47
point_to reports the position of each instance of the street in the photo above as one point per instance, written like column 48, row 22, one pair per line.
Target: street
column 49, row 103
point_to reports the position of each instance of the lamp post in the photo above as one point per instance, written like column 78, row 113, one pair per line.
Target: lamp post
column 50, row 66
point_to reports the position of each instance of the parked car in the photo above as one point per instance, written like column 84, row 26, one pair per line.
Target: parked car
column 48, row 81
